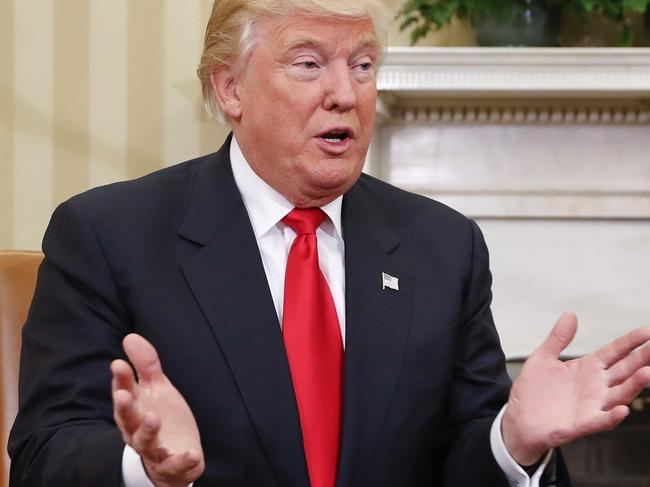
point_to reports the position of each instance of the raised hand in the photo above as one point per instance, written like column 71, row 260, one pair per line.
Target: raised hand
column 553, row 402
column 154, row 418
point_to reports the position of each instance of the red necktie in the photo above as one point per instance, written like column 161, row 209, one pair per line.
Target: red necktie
column 312, row 339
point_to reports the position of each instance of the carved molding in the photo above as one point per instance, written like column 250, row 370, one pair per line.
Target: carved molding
column 515, row 86
column 528, row 112
column 526, row 72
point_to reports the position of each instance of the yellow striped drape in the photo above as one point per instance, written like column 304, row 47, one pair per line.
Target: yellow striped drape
column 93, row 92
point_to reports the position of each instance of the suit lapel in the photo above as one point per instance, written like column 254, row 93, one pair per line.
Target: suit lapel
column 377, row 322
column 227, row 279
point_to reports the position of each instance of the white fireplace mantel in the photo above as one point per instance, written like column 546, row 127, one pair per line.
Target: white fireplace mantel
column 518, row 132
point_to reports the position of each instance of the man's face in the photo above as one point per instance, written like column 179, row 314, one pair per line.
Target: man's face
column 307, row 105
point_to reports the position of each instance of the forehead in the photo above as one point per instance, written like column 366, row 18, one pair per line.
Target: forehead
column 326, row 32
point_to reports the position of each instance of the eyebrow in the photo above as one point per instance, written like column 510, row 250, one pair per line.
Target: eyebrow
column 299, row 43
column 369, row 40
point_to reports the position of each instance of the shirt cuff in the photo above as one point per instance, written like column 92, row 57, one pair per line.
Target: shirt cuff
column 515, row 473
column 133, row 471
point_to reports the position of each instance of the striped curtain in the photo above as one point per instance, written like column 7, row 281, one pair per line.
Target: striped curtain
column 91, row 92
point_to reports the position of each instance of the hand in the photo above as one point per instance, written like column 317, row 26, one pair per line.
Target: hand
column 553, row 402
column 154, row 418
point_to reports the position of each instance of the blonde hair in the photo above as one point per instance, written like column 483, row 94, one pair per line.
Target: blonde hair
column 229, row 36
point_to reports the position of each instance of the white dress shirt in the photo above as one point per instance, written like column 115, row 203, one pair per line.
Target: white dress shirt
column 266, row 208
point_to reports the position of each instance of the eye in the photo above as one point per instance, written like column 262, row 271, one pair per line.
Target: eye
column 364, row 64
column 365, row 69
column 304, row 68
column 306, row 64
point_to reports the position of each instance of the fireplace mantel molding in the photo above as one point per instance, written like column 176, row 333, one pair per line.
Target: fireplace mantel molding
column 515, row 85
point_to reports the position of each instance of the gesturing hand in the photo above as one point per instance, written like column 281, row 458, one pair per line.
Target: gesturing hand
column 154, row 418
column 553, row 402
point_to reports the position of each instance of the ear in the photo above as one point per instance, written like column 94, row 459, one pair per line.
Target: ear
column 225, row 89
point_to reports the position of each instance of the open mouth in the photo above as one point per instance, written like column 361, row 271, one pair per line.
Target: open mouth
column 335, row 136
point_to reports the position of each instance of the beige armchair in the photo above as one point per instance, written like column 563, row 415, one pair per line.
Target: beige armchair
column 17, row 282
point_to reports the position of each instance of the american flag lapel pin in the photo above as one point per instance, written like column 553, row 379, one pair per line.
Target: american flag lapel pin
column 388, row 281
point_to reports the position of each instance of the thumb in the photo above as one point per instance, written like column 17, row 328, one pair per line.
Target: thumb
column 143, row 357
column 561, row 335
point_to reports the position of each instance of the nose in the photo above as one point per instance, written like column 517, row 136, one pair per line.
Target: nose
column 340, row 88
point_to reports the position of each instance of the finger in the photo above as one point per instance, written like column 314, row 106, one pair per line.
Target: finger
column 624, row 368
column 625, row 392
column 123, row 377
column 611, row 419
column 126, row 413
column 146, row 440
column 186, row 466
column 144, row 358
column 561, row 335
column 602, row 421
column 622, row 346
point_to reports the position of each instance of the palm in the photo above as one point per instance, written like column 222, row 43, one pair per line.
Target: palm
column 178, row 431
column 554, row 402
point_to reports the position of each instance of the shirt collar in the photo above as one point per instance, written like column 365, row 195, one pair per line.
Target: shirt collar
column 266, row 206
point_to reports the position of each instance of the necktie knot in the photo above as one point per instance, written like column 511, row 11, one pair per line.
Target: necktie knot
column 304, row 221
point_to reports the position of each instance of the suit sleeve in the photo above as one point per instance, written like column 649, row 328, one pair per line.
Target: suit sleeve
column 481, row 386
column 64, row 433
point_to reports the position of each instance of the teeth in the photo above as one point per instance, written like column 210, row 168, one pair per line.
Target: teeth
column 334, row 137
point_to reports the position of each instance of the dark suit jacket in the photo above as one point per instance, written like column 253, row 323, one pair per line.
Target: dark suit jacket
column 172, row 256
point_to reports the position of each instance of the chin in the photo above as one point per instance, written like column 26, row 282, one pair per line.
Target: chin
column 337, row 172
column 339, row 181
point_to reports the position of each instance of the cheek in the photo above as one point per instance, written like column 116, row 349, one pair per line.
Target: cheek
column 293, row 109
column 367, row 106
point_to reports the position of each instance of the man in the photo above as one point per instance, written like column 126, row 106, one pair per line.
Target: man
column 186, row 268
